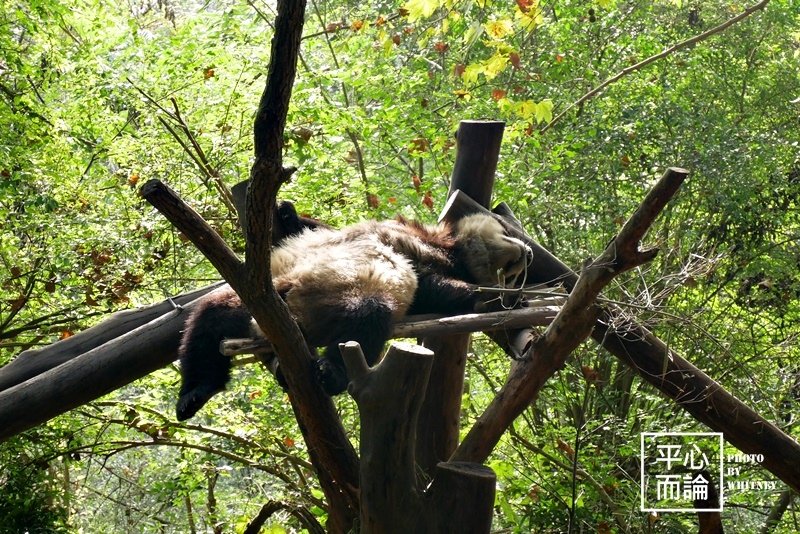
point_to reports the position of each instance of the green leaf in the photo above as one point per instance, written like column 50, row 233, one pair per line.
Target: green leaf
column 544, row 111
column 495, row 65
column 471, row 73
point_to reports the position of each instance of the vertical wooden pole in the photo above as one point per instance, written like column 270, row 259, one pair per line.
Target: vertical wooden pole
column 477, row 153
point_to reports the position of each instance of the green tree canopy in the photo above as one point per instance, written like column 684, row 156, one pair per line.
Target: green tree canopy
column 98, row 97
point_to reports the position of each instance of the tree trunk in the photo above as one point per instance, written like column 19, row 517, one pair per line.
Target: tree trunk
column 331, row 453
column 393, row 498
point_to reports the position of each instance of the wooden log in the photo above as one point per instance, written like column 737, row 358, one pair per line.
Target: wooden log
column 36, row 361
column 477, row 152
column 418, row 326
column 93, row 374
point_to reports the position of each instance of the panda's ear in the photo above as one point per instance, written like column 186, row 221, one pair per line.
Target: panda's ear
column 286, row 222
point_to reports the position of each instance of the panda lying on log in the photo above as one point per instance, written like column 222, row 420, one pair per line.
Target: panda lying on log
column 350, row 285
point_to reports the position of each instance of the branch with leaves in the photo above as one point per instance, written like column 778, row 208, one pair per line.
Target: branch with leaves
column 209, row 174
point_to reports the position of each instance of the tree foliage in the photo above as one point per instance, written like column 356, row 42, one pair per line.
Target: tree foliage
column 97, row 97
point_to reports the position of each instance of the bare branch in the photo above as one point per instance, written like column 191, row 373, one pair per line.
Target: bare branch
column 573, row 324
column 188, row 221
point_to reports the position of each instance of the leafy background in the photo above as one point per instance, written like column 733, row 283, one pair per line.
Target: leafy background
column 97, row 97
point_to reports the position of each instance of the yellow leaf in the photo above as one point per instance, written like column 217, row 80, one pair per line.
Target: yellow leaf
column 421, row 9
column 471, row 72
column 525, row 109
column 498, row 29
column 531, row 18
column 505, row 105
column 495, row 65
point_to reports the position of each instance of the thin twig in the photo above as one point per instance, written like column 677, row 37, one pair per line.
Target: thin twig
column 669, row 51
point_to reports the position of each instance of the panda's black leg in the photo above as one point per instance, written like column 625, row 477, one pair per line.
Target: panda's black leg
column 369, row 323
column 440, row 294
column 204, row 370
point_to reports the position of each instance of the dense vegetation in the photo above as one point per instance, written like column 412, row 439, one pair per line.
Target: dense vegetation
column 96, row 97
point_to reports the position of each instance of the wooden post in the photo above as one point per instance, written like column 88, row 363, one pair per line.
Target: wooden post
column 477, row 152
column 389, row 397
column 393, row 499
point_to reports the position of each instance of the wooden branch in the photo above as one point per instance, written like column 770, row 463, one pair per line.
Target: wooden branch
column 329, row 448
column 652, row 59
column 92, row 374
column 274, row 105
column 304, row 516
column 667, row 371
column 703, row 397
column 33, row 362
column 572, row 325
column 268, row 174
column 540, row 314
column 420, row 326
column 477, row 152
column 389, row 398
column 198, row 231
column 331, row 452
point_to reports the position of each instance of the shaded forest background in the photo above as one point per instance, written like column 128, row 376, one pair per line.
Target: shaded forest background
column 96, row 98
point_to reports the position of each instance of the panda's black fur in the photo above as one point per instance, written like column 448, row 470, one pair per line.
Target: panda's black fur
column 350, row 285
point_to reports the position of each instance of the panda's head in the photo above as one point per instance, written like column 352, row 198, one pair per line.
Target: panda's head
column 488, row 253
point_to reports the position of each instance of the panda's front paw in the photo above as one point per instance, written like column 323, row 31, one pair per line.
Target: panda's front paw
column 331, row 377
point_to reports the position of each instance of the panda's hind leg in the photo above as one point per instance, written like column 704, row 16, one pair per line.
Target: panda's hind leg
column 204, row 370
column 349, row 292
column 368, row 322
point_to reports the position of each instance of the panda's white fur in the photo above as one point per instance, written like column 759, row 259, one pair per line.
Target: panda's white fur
column 351, row 284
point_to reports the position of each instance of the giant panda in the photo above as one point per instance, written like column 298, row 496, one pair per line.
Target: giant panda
column 351, row 285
